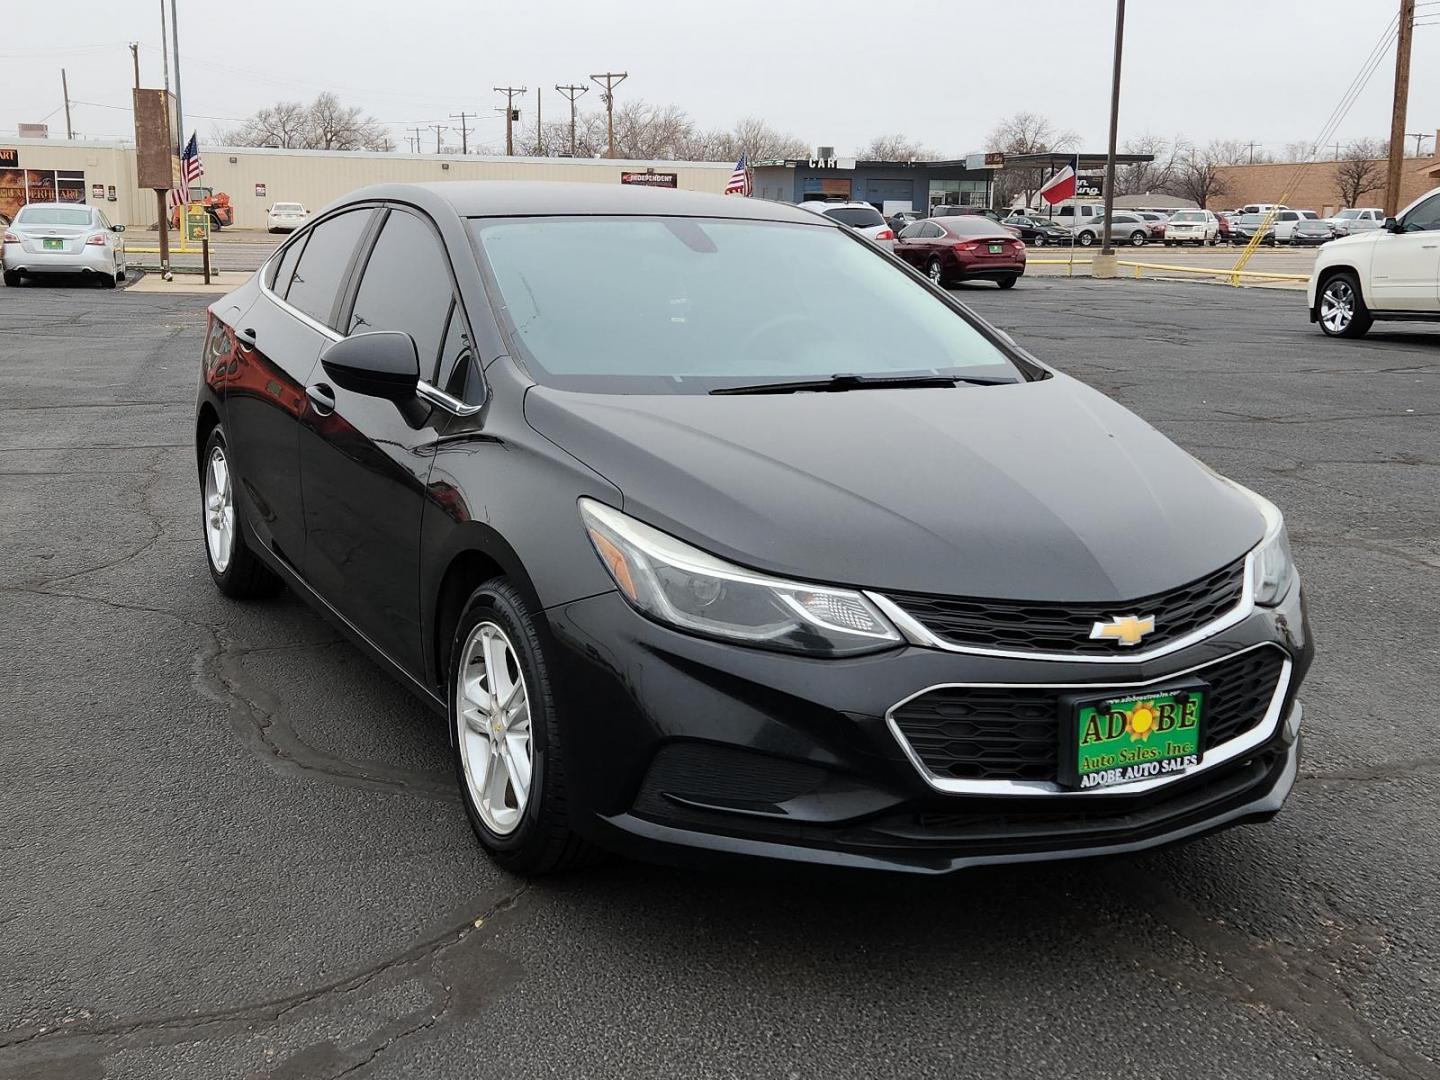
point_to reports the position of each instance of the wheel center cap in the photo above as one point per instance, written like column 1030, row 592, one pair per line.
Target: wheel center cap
column 497, row 725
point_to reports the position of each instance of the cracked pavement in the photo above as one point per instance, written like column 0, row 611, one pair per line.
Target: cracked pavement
column 232, row 847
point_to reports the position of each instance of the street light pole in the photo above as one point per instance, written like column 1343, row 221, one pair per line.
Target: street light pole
column 1106, row 249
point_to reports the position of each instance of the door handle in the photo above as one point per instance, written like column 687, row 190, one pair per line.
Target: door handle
column 322, row 398
column 246, row 337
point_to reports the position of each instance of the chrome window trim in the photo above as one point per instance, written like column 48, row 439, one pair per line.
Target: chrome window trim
column 917, row 633
column 1218, row 755
column 436, row 396
column 423, row 389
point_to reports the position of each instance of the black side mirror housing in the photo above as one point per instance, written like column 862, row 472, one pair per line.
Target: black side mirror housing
column 384, row 364
column 117, row 228
column 1391, row 225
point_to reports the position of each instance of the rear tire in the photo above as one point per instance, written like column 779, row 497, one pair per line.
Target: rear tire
column 109, row 281
column 1008, row 282
column 935, row 272
column 236, row 570
column 1137, row 239
column 1085, row 239
column 526, row 833
column 12, row 278
column 1340, row 308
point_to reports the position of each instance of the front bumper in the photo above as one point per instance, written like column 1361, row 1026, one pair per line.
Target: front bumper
column 698, row 750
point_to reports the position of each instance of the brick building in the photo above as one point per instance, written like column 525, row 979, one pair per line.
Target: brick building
column 1315, row 189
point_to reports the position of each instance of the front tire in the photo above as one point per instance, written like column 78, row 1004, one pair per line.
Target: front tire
column 509, row 759
column 236, row 570
column 1085, row 239
column 1340, row 307
column 1137, row 239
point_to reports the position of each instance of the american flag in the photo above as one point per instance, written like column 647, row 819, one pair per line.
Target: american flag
column 192, row 169
column 740, row 179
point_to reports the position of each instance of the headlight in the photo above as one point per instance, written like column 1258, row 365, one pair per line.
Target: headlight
column 1271, row 568
column 687, row 588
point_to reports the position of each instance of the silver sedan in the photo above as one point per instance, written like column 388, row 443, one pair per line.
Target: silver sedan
column 63, row 238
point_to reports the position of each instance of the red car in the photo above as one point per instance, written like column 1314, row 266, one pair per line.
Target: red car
column 1224, row 220
column 960, row 248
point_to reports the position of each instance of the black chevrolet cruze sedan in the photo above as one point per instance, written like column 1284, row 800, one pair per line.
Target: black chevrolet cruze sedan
column 715, row 530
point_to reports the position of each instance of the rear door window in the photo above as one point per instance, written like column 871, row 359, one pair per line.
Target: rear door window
column 322, row 265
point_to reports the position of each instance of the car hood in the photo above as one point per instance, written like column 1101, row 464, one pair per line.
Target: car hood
column 1351, row 240
column 1045, row 490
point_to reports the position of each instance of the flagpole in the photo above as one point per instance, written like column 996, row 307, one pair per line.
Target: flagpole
column 1074, row 217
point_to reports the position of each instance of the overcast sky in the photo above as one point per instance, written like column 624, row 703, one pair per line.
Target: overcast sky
column 837, row 74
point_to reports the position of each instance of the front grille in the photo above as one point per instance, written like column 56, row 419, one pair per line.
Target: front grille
column 1004, row 733
column 1022, row 626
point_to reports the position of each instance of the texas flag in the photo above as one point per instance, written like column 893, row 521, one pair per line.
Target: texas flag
column 1061, row 186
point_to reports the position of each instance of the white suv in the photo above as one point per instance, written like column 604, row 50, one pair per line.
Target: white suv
column 1286, row 220
column 860, row 216
column 1389, row 273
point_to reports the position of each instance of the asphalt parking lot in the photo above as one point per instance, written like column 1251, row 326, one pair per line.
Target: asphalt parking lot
column 231, row 847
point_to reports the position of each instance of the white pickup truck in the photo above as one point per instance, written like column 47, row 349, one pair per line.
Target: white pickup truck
column 1392, row 272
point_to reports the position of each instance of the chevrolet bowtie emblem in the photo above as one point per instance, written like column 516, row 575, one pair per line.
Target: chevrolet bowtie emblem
column 1124, row 629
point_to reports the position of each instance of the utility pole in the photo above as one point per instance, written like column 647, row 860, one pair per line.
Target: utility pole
column 1252, row 153
column 539, row 131
column 164, row 46
column 179, row 113
column 510, row 115
column 1106, row 249
column 1397, row 115
column 437, row 128
column 464, row 130
column 610, row 80
column 417, row 139
column 1419, row 137
column 572, row 92
column 65, row 89
column 135, row 56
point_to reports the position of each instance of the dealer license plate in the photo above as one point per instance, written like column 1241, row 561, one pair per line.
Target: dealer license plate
column 1124, row 739
column 54, row 245
column 996, row 249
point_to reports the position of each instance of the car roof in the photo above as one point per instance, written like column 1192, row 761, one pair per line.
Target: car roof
column 58, row 206
column 537, row 198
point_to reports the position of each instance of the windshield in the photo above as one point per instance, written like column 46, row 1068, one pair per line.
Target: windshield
column 857, row 217
column 52, row 215
column 687, row 305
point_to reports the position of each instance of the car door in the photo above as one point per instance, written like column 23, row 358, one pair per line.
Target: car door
column 365, row 461
column 277, row 343
column 1405, row 265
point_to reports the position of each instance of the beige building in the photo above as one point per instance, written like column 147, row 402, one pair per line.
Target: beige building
column 36, row 169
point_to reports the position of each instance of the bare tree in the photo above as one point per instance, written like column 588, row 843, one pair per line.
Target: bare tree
column 1025, row 133
column 284, row 124
column 750, row 136
column 895, row 147
column 1360, row 171
column 1200, row 175
column 1156, row 175
column 324, row 124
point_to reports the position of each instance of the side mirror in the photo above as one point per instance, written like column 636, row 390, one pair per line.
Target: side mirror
column 384, row 364
column 117, row 228
column 1391, row 225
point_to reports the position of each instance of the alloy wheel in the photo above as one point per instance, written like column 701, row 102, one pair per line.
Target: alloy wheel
column 492, row 710
column 1337, row 305
column 934, row 271
column 219, row 510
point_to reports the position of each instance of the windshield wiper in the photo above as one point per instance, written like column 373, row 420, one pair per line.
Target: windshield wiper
column 837, row 383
